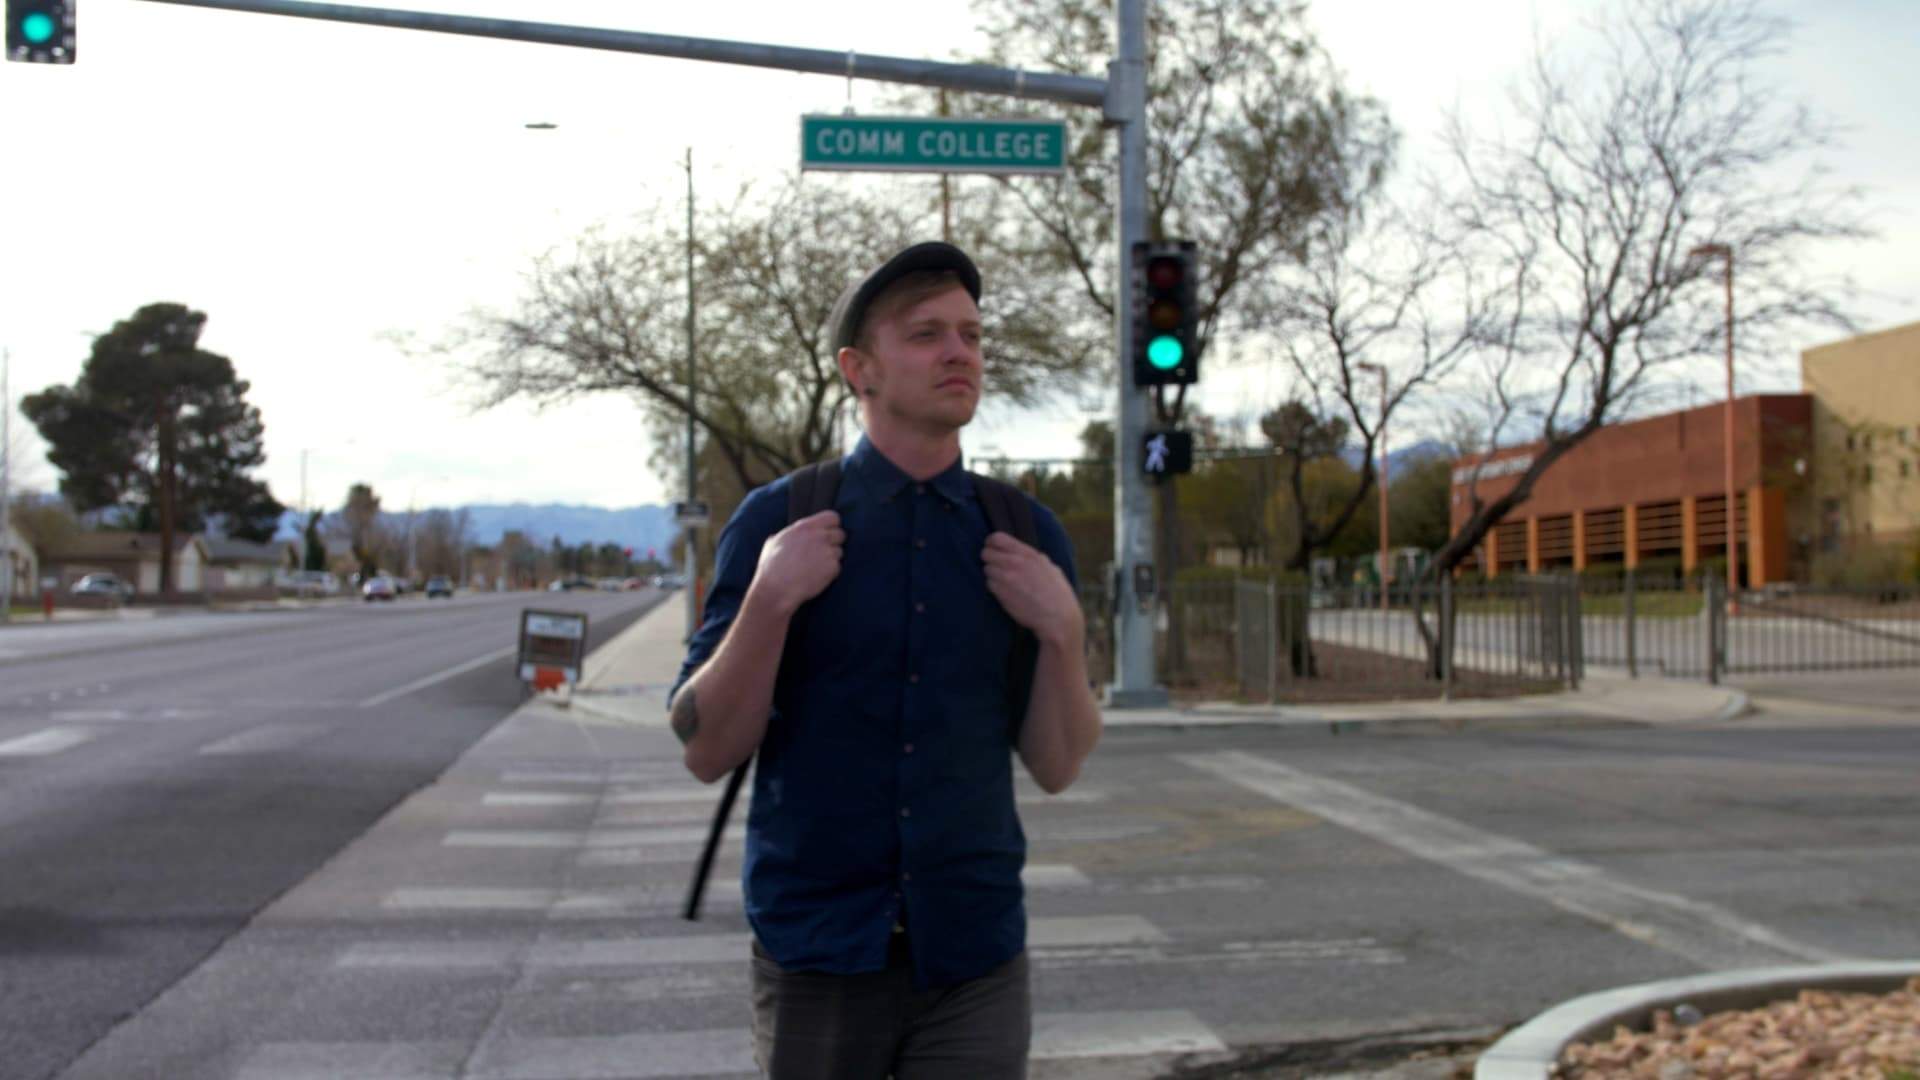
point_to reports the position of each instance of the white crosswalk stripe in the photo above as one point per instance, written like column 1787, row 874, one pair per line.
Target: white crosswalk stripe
column 49, row 741
column 689, row 1054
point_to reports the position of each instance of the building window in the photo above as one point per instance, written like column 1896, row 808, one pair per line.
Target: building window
column 1849, row 440
column 1905, row 470
column 1866, row 475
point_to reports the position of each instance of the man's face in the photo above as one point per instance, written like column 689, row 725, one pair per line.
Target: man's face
column 925, row 365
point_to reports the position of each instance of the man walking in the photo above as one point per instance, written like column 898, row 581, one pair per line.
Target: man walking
column 867, row 654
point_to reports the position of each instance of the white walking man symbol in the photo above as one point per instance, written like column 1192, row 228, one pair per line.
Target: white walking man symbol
column 1157, row 454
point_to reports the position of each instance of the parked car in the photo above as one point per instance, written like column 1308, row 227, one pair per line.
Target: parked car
column 379, row 588
column 312, row 583
column 102, row 585
column 569, row 584
column 439, row 586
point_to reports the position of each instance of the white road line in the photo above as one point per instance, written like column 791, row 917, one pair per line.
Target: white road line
column 89, row 716
column 331, row 1060
column 40, row 743
column 438, row 677
column 676, row 1054
column 264, row 739
column 1056, row 1036
column 662, row 897
column 1083, row 930
column 1043, row 936
column 537, row 798
column 596, row 839
column 1705, row 933
column 1121, row 1034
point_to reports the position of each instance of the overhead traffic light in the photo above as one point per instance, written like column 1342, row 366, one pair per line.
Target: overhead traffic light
column 40, row 31
column 1166, row 315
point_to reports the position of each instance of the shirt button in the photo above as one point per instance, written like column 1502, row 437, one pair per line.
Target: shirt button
column 908, row 749
column 904, row 812
column 921, row 488
column 906, row 877
column 919, row 608
column 919, row 543
column 914, row 678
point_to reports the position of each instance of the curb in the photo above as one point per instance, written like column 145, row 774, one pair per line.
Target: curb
column 1530, row 1051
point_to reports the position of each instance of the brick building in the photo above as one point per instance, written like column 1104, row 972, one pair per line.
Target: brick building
column 1656, row 489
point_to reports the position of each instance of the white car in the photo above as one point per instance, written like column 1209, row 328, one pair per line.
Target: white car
column 380, row 587
column 102, row 585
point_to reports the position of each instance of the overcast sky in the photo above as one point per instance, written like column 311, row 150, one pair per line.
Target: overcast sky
column 316, row 188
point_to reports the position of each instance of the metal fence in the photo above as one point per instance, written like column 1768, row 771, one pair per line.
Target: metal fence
column 1261, row 640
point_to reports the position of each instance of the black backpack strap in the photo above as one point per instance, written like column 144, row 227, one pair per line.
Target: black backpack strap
column 1008, row 511
column 812, row 488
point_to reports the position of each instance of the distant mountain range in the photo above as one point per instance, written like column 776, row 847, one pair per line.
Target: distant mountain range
column 651, row 527
column 639, row 527
column 1423, row 450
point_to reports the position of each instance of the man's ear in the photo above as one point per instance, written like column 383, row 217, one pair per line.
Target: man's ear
column 853, row 370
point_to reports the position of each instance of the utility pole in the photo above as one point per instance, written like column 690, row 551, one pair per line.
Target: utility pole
column 1725, row 251
column 6, row 485
column 692, row 561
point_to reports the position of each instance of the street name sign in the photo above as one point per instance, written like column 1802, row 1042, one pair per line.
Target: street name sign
column 695, row 514
column 932, row 144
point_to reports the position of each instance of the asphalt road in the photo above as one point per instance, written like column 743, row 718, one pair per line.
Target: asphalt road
column 1241, row 894
column 162, row 781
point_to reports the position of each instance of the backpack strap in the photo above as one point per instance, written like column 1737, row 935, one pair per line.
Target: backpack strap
column 1008, row 511
column 812, row 488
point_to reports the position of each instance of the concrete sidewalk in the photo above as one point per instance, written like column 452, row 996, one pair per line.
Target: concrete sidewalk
column 626, row 683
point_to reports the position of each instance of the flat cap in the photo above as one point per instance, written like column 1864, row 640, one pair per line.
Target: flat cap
column 851, row 308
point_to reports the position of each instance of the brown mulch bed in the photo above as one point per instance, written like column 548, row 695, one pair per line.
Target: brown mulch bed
column 1819, row 1035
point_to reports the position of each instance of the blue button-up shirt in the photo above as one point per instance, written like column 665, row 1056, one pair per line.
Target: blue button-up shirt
column 883, row 792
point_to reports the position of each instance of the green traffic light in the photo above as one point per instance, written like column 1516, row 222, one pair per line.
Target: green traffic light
column 1164, row 352
column 37, row 28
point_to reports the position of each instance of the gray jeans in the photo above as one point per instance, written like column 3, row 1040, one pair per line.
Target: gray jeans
column 814, row 1026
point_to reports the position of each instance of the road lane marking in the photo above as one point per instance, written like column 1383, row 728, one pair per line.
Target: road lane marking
column 658, row 898
column 41, row 743
column 1705, row 933
column 438, row 677
column 1058, row 1036
column 1044, row 936
column 264, row 739
column 573, row 838
column 331, row 1060
column 729, row 1051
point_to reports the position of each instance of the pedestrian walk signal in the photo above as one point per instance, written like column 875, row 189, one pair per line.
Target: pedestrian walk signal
column 1166, row 315
column 40, row 31
column 1166, row 453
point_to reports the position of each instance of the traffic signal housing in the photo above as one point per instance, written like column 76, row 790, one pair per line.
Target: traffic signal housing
column 40, row 31
column 1166, row 314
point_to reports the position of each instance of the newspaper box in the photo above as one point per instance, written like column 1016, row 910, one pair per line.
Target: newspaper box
column 552, row 646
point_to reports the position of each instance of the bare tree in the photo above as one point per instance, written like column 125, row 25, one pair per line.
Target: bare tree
column 1590, row 209
column 1381, row 310
column 609, row 315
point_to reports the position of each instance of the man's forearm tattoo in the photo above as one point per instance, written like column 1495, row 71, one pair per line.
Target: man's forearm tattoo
column 686, row 715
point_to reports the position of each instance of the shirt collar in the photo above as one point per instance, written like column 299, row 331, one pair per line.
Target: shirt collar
column 884, row 479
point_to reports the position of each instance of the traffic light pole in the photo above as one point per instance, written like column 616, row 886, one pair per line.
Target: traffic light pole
column 1134, row 685
column 1122, row 97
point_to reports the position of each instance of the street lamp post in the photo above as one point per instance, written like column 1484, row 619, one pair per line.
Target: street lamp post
column 1725, row 252
column 1386, row 558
